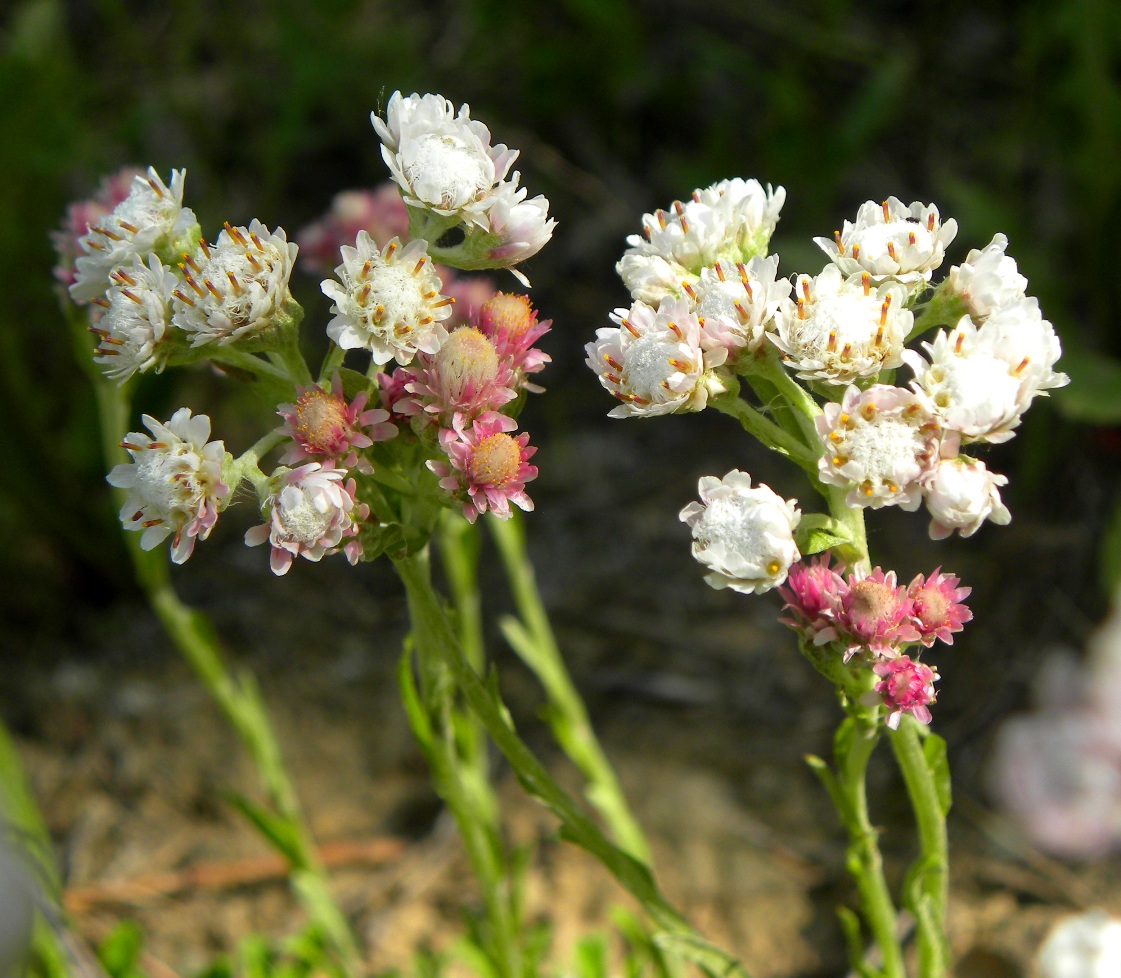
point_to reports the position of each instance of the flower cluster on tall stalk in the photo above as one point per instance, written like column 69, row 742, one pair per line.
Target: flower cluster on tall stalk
column 808, row 365
column 406, row 434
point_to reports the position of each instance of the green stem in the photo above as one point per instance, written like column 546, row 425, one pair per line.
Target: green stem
column 865, row 861
column 928, row 889
column 577, row 827
column 249, row 362
column 459, row 550
column 533, row 640
column 760, row 426
column 237, row 697
column 331, row 362
column 456, row 753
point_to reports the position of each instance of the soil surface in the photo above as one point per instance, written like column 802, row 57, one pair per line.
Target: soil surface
column 699, row 697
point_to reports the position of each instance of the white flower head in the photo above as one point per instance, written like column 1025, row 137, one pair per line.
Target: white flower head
column 882, row 442
column 133, row 331
column 174, row 482
column 1085, row 945
column 960, row 494
column 653, row 362
column 732, row 220
column 151, row 218
column 981, row 380
column 743, row 534
column 236, row 287
column 442, row 161
column 736, row 303
column 520, row 227
column 388, row 302
column 987, row 280
column 310, row 513
column 891, row 241
column 837, row 329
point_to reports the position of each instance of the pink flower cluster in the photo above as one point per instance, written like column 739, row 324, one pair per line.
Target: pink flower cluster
column 871, row 621
column 458, row 394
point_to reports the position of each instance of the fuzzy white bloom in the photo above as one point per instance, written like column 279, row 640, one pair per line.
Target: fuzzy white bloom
column 174, row 482
column 520, row 227
column 131, row 332
column 981, row 380
column 654, row 361
column 837, row 330
column 1028, row 343
column 1086, row 945
column 736, row 303
column 744, row 535
column 732, row 220
column 237, row 286
column 961, row 494
column 883, row 442
column 892, row 241
column 987, row 280
column 442, row 161
column 389, row 301
column 151, row 218
column 310, row 513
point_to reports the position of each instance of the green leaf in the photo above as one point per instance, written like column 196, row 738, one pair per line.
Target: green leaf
column 354, row 383
column 817, row 532
column 934, row 750
column 276, row 829
column 410, row 699
column 1094, row 393
column 119, row 952
column 854, row 941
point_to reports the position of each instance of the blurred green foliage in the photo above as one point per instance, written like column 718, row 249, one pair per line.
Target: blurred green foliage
column 1008, row 115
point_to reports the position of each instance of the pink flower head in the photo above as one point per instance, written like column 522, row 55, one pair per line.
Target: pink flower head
column 875, row 616
column 381, row 213
column 813, row 593
column 393, row 389
column 84, row 214
column 465, row 376
column 936, row 607
column 323, row 426
column 488, row 467
column 906, row 687
column 309, row 514
column 510, row 322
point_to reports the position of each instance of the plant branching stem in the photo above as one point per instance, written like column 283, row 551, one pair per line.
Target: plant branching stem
column 533, row 640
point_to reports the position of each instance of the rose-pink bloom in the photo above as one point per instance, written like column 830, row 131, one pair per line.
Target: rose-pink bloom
column 510, row 322
column 813, row 594
column 487, row 467
column 936, row 606
column 875, row 616
column 381, row 213
column 323, row 426
column 906, row 687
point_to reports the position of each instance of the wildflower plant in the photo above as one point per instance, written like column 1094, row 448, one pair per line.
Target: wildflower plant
column 406, row 435
column 810, row 365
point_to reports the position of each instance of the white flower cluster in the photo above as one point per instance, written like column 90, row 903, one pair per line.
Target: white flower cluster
column 160, row 288
column 449, row 170
column 151, row 219
column 707, row 304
